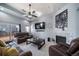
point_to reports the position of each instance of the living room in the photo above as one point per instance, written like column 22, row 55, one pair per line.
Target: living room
column 36, row 29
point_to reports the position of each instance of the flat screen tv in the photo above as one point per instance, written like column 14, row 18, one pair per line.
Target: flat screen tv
column 40, row 25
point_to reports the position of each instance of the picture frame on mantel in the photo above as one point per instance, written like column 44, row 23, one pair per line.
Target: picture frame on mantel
column 61, row 20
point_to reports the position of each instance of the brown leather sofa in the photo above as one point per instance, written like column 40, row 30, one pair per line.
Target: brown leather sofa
column 22, row 37
column 62, row 49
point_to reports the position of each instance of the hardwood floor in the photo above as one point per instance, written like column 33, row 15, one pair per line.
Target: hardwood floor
column 6, row 38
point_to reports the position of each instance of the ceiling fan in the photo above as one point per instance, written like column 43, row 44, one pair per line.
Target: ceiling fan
column 30, row 14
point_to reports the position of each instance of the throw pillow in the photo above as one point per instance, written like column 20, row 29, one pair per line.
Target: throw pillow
column 2, row 44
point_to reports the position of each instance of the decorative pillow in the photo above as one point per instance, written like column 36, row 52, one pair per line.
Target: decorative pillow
column 2, row 44
column 73, row 48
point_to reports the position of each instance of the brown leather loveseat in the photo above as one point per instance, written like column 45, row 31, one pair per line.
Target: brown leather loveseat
column 62, row 49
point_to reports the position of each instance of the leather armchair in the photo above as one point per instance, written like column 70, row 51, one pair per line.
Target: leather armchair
column 62, row 49
column 76, row 54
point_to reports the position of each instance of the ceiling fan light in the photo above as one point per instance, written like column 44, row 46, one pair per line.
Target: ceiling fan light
column 29, row 4
column 32, row 13
column 29, row 16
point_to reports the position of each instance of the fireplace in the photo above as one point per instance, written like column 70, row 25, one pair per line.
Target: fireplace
column 60, row 39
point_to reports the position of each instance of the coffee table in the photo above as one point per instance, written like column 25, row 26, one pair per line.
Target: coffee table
column 38, row 42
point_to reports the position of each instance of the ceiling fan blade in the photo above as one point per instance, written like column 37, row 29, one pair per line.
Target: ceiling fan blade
column 34, row 15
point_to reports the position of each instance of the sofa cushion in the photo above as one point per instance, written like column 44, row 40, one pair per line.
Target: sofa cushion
column 73, row 48
column 9, row 51
column 61, row 48
column 64, row 44
column 12, row 52
column 57, row 50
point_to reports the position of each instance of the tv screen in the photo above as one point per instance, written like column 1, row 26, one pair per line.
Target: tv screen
column 40, row 25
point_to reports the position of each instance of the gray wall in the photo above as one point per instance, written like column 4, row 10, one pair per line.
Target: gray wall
column 77, row 22
column 48, row 19
column 71, row 32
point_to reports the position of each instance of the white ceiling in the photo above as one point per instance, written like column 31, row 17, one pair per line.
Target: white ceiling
column 44, row 8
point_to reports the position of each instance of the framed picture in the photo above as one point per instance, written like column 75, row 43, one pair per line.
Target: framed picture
column 61, row 20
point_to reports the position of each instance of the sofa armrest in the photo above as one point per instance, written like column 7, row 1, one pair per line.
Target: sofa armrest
column 76, row 54
column 64, row 44
column 29, row 53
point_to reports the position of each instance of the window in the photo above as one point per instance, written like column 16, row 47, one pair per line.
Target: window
column 6, row 28
column 27, row 28
column 15, row 28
